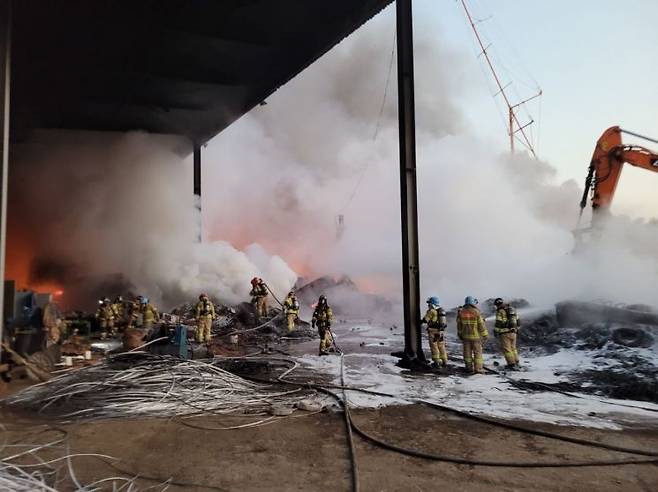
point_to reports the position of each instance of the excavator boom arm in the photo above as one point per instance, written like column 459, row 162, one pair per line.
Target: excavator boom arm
column 606, row 165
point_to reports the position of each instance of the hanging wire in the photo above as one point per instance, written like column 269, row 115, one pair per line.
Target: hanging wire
column 363, row 171
column 388, row 81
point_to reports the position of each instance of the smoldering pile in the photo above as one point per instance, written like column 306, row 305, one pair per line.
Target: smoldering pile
column 140, row 384
column 346, row 297
column 620, row 339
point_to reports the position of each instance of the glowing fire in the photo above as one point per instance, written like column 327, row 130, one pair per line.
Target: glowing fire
column 19, row 261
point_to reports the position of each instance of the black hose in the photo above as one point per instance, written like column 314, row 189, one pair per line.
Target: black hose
column 536, row 432
column 510, row 426
column 273, row 295
column 504, row 464
column 348, row 421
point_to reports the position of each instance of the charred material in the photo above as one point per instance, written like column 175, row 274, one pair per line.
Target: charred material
column 345, row 297
column 570, row 313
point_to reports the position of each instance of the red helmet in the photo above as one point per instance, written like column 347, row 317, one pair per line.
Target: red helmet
column 202, row 296
column 254, row 280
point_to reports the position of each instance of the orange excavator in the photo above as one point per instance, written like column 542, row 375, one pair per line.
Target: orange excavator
column 605, row 169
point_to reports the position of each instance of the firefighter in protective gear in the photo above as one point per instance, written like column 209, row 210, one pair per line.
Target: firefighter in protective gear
column 105, row 317
column 506, row 327
column 149, row 314
column 291, row 307
column 259, row 296
column 472, row 331
column 204, row 313
column 119, row 309
column 435, row 317
column 135, row 315
column 322, row 317
column 52, row 321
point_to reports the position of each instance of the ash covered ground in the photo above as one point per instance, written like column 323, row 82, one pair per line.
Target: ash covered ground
column 595, row 373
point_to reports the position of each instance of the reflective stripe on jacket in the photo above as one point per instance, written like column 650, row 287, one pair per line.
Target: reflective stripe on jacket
column 291, row 305
column 105, row 312
column 149, row 313
column 323, row 316
column 435, row 319
column 118, row 309
column 506, row 320
column 470, row 325
column 259, row 291
column 205, row 309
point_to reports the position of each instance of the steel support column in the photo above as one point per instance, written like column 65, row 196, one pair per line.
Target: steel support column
column 5, row 77
column 197, row 187
column 408, row 196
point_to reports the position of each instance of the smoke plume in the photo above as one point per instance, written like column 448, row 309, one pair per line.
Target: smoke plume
column 99, row 214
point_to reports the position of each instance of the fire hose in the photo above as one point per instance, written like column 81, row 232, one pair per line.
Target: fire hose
column 651, row 456
column 274, row 296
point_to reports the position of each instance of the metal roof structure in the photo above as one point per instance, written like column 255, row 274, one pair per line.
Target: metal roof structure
column 182, row 67
column 190, row 68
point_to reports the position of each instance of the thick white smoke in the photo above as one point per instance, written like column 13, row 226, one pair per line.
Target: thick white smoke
column 275, row 182
column 489, row 224
column 118, row 211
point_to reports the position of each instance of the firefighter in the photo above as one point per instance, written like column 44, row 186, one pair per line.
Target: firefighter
column 322, row 317
column 119, row 309
column 291, row 308
column 472, row 331
column 435, row 317
column 149, row 314
column 105, row 317
column 506, row 327
column 259, row 296
column 204, row 313
column 52, row 321
column 134, row 313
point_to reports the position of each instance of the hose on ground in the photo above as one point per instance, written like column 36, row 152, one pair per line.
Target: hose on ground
column 343, row 402
column 475, row 462
column 503, row 464
column 653, row 456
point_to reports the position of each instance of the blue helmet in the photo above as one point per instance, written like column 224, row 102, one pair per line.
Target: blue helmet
column 144, row 300
column 434, row 301
column 471, row 300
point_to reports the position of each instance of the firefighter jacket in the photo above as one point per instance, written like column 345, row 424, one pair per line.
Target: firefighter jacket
column 149, row 313
column 119, row 309
column 291, row 305
column 435, row 319
column 259, row 290
column 105, row 312
column 470, row 325
column 322, row 316
column 507, row 321
column 134, row 309
column 204, row 309
column 51, row 315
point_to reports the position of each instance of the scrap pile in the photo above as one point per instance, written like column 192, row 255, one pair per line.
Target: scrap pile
column 141, row 384
column 49, row 467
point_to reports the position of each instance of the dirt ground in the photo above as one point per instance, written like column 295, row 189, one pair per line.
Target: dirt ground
column 308, row 452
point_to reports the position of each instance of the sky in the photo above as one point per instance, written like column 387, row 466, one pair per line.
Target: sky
column 326, row 144
column 316, row 133
column 595, row 61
